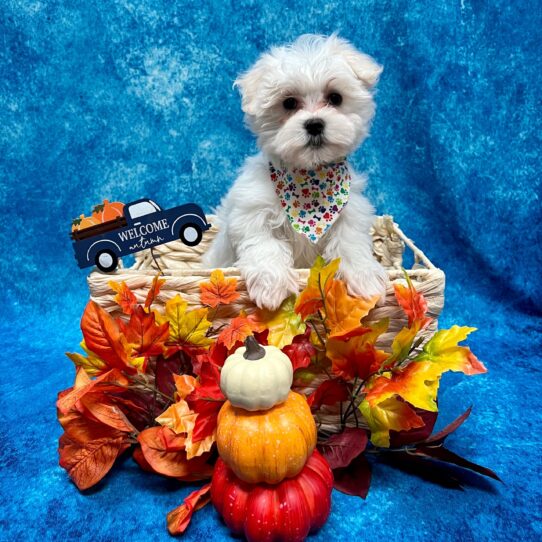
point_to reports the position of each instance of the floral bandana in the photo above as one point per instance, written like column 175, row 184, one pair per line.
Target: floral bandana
column 312, row 198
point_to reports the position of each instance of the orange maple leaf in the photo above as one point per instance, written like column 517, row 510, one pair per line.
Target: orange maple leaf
column 103, row 337
column 412, row 302
column 344, row 312
column 125, row 298
column 237, row 330
column 154, row 290
column 219, row 291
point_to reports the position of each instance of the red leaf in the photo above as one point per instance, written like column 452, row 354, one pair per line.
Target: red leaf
column 354, row 479
column 103, row 337
column 329, row 392
column 417, row 434
column 441, row 435
column 154, row 290
column 301, row 350
column 339, row 450
column 206, row 400
column 179, row 519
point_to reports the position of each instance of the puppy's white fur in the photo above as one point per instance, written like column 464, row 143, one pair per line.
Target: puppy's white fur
column 255, row 234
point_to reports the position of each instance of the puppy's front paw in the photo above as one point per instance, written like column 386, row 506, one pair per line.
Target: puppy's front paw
column 366, row 280
column 269, row 287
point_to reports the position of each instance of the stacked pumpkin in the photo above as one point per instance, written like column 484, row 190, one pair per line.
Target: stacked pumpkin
column 269, row 483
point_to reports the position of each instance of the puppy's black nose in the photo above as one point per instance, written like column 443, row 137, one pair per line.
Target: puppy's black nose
column 314, row 126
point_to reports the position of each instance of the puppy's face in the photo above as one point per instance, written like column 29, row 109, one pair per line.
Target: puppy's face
column 311, row 102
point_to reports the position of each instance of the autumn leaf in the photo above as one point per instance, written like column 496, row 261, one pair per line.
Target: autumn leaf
column 125, row 298
column 154, row 290
column 402, row 344
column 412, row 302
column 179, row 519
column 90, row 363
column 443, row 350
column 219, row 290
column 186, row 327
column 88, row 463
column 146, row 337
column 181, row 419
column 104, row 409
column 300, row 351
column 104, row 338
column 418, row 382
column 236, row 331
column 343, row 313
column 283, row 324
column 310, row 300
column 329, row 392
column 206, row 400
column 355, row 479
column 357, row 356
column 164, row 452
column 340, row 449
column 391, row 414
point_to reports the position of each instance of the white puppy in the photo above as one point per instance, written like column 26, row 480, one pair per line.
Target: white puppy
column 310, row 104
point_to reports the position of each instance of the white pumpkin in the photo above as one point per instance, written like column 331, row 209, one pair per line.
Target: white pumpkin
column 256, row 377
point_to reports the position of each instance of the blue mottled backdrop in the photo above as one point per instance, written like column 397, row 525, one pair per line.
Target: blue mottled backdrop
column 130, row 98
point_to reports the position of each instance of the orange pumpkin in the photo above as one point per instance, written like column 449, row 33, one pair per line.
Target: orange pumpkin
column 107, row 211
column 267, row 445
column 83, row 222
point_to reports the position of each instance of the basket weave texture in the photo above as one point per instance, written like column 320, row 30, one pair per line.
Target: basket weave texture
column 181, row 267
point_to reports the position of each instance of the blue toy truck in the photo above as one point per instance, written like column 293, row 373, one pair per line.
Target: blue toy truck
column 144, row 225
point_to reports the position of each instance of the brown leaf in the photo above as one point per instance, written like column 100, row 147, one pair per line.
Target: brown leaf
column 87, row 464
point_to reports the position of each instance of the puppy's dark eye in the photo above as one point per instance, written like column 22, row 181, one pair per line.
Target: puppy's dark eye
column 289, row 103
column 335, row 99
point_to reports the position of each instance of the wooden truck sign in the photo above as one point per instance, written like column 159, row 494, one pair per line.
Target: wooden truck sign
column 115, row 230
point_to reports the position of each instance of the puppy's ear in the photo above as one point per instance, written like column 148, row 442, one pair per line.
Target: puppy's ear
column 363, row 66
column 249, row 84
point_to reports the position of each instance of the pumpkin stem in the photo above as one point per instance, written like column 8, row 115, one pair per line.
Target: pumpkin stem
column 254, row 350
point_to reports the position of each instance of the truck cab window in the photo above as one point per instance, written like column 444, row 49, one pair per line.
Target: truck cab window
column 143, row 208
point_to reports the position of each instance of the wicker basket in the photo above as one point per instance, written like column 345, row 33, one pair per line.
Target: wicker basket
column 181, row 267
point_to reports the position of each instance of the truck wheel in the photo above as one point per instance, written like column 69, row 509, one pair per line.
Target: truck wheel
column 190, row 235
column 106, row 260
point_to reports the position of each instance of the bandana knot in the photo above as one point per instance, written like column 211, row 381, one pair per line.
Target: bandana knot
column 312, row 198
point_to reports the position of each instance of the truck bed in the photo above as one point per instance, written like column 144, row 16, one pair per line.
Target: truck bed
column 111, row 225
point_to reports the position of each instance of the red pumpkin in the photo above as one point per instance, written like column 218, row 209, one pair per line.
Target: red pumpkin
column 283, row 512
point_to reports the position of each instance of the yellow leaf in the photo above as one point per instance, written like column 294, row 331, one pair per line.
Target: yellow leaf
column 92, row 364
column 391, row 414
column 283, row 324
column 344, row 312
column 444, row 351
column 310, row 300
column 187, row 326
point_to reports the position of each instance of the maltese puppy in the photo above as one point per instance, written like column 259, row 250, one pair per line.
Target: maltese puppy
column 310, row 104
